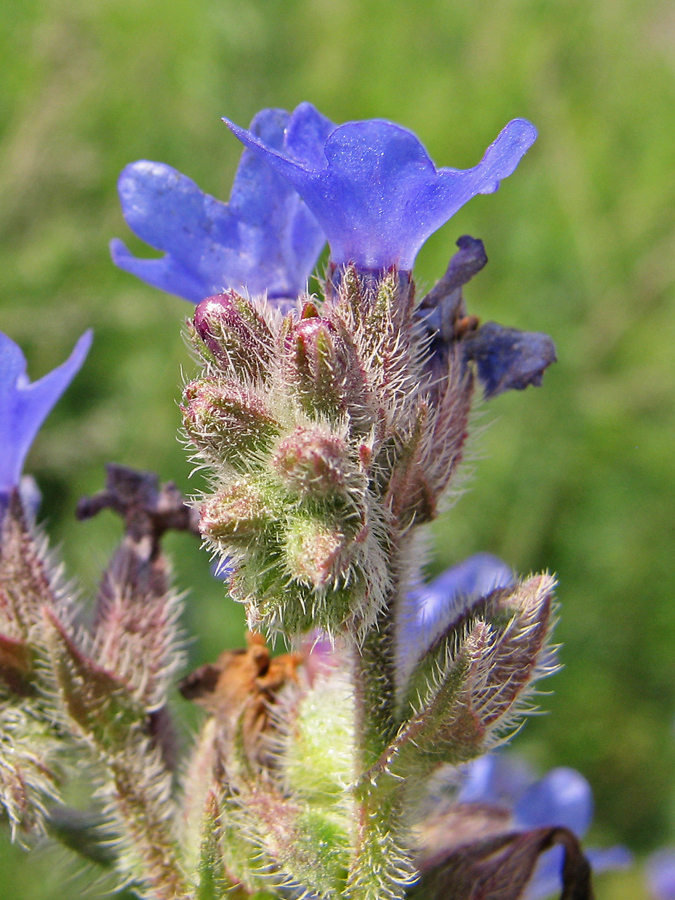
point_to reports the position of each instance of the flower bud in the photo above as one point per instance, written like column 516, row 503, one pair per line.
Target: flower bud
column 237, row 514
column 313, row 462
column 236, row 334
column 229, row 423
column 323, row 367
column 317, row 552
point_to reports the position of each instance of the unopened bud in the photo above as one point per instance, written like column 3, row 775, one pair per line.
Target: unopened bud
column 313, row 462
column 236, row 334
column 228, row 422
column 237, row 514
column 316, row 552
column 324, row 369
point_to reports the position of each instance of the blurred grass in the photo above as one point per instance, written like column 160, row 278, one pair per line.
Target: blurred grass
column 578, row 477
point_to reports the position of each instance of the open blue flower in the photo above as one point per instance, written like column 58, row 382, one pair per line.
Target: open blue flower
column 375, row 191
column 562, row 798
column 25, row 406
column 264, row 241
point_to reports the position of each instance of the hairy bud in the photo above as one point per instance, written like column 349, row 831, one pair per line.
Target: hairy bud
column 323, row 368
column 314, row 463
column 237, row 514
column 317, row 551
column 236, row 334
column 226, row 422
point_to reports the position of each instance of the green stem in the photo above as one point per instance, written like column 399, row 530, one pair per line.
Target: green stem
column 375, row 690
column 379, row 865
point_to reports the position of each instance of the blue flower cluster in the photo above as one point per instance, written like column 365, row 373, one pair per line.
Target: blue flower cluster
column 369, row 188
column 372, row 187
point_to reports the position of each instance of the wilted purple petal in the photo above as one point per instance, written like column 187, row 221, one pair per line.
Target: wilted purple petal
column 25, row 406
column 660, row 870
column 264, row 241
column 507, row 358
column 562, row 798
column 428, row 611
column 377, row 194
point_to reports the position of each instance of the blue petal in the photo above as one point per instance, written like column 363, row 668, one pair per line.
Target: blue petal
column 495, row 779
column 562, row 798
column 610, row 858
column 376, row 192
column 25, row 406
column 507, row 358
column 265, row 241
column 426, row 613
column 660, row 869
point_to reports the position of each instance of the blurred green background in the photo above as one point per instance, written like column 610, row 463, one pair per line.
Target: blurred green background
column 577, row 477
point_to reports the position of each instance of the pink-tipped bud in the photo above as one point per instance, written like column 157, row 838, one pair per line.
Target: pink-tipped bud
column 323, row 367
column 229, row 423
column 235, row 334
column 313, row 462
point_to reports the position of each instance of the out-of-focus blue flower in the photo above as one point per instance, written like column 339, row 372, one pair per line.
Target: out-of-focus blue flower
column 429, row 610
column 375, row 191
column 264, row 241
column 24, row 405
column 660, row 869
column 562, row 798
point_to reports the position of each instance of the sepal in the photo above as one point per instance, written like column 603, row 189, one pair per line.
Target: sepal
column 27, row 583
column 213, row 883
column 100, row 704
column 474, row 682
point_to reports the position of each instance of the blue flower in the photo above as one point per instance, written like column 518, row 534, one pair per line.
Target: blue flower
column 562, row 798
column 375, row 191
column 25, row 406
column 264, row 241
column 429, row 610
column 660, row 869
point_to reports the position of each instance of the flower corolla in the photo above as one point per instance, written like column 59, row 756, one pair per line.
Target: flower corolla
column 376, row 192
column 561, row 799
column 660, row 871
column 24, row 405
column 264, row 241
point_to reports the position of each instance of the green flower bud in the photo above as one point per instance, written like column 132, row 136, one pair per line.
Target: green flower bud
column 317, row 551
column 238, row 513
column 226, row 422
